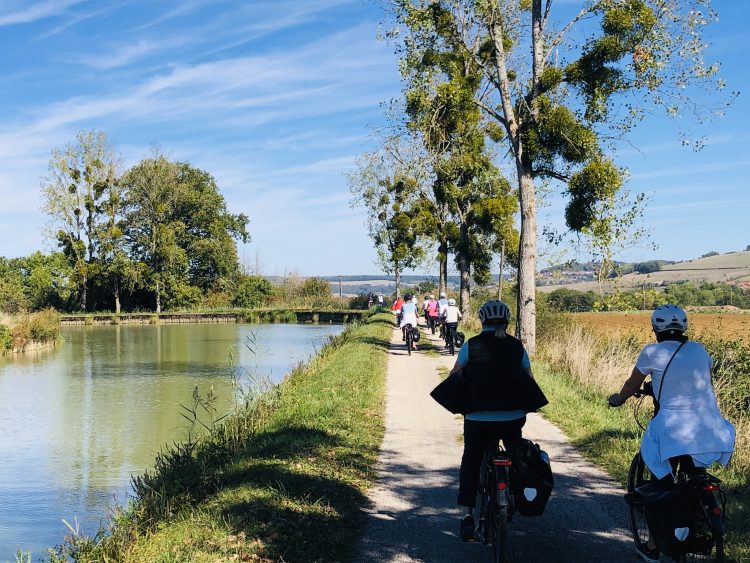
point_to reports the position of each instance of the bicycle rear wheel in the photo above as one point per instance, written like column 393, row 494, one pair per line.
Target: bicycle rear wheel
column 638, row 475
column 408, row 339
column 499, row 527
column 451, row 341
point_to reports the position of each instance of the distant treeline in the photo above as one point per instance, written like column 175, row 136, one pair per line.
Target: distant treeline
column 684, row 294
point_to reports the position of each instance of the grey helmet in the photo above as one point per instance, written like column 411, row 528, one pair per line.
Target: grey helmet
column 494, row 312
column 669, row 317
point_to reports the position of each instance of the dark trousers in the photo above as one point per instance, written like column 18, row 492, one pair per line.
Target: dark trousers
column 477, row 436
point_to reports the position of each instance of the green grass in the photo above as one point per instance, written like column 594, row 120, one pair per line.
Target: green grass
column 292, row 487
column 610, row 438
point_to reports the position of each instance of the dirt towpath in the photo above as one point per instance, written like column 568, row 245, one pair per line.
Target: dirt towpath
column 414, row 516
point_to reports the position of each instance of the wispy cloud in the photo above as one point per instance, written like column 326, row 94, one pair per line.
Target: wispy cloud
column 126, row 54
column 40, row 10
column 683, row 170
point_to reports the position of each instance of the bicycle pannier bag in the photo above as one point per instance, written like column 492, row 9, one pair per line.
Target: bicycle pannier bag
column 460, row 338
column 671, row 515
column 532, row 480
column 415, row 334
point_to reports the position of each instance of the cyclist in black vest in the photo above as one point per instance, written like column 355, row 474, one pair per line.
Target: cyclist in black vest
column 500, row 390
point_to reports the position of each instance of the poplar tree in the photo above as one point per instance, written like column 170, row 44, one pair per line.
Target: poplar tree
column 385, row 185
column 82, row 176
column 558, row 92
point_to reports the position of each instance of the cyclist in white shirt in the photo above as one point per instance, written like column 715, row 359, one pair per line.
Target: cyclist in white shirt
column 689, row 422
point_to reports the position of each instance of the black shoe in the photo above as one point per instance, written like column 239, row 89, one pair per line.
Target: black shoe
column 467, row 528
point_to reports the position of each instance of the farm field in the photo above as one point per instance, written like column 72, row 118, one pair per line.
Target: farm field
column 733, row 267
column 730, row 326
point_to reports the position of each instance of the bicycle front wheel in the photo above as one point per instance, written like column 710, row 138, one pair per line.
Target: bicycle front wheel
column 638, row 475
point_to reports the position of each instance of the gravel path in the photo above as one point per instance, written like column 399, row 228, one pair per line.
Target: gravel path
column 414, row 516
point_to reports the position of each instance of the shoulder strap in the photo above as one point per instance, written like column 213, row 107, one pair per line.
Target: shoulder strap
column 664, row 373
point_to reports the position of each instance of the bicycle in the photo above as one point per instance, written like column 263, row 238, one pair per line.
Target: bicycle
column 496, row 506
column 409, row 336
column 450, row 337
column 706, row 499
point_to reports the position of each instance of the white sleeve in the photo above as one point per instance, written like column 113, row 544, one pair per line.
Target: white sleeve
column 644, row 363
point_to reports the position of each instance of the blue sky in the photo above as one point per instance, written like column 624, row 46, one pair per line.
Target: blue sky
column 276, row 99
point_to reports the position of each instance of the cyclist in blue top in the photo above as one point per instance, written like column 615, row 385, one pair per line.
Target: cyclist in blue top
column 500, row 390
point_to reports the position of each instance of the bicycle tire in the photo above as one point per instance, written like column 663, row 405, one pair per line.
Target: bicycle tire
column 450, row 341
column 408, row 339
column 638, row 474
column 500, row 534
column 719, row 548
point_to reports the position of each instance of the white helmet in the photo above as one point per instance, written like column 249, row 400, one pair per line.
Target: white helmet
column 669, row 317
column 451, row 301
column 432, row 297
column 442, row 295
column 496, row 311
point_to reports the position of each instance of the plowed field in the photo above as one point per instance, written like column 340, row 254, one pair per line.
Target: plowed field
column 726, row 325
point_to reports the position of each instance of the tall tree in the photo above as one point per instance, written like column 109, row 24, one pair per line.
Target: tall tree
column 153, row 190
column 552, row 89
column 385, row 185
column 441, row 87
column 209, row 231
column 79, row 176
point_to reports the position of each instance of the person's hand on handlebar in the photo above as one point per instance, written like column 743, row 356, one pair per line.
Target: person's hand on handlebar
column 615, row 400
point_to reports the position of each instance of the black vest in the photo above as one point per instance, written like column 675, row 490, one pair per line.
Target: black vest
column 495, row 380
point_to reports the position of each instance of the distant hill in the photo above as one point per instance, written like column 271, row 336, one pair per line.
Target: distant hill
column 732, row 267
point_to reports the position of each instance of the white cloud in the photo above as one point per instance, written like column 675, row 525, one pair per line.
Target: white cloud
column 31, row 13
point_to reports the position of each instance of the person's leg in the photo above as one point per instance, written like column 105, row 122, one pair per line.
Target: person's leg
column 474, row 441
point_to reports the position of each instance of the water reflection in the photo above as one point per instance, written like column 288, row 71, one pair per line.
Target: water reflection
column 81, row 419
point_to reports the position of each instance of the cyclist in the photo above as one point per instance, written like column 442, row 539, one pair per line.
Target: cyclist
column 424, row 304
column 450, row 316
column 396, row 308
column 442, row 304
column 432, row 313
column 500, row 390
column 688, row 422
column 409, row 315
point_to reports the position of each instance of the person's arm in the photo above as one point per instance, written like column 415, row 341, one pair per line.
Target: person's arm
column 630, row 386
column 460, row 316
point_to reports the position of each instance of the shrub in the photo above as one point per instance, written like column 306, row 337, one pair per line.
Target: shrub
column 44, row 326
column 252, row 291
column 6, row 339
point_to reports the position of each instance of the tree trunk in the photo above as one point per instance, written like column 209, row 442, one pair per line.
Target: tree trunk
column 397, row 272
column 464, row 269
column 117, row 298
column 443, row 264
column 84, row 293
column 526, row 323
column 158, row 297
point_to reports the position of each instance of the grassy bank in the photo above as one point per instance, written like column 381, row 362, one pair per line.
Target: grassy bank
column 22, row 331
column 578, row 370
column 283, row 479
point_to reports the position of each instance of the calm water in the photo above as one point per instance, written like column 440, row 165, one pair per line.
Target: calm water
column 79, row 420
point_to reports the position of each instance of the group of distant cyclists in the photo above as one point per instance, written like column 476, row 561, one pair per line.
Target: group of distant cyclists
column 442, row 313
column 499, row 385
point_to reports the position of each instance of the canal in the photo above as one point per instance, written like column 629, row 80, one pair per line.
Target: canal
column 79, row 420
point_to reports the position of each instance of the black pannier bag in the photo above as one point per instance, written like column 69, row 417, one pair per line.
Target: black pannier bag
column 671, row 515
column 415, row 334
column 531, row 479
column 460, row 338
